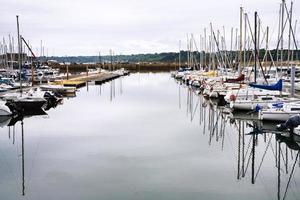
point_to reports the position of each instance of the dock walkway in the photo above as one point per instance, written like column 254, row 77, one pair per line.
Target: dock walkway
column 80, row 80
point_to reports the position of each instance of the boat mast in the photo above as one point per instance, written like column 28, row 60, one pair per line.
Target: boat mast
column 255, row 44
column 200, row 52
column 205, row 48
column 23, row 167
column 19, row 54
column 211, row 51
column 210, row 61
column 10, row 51
column 267, row 46
column 236, row 52
column 278, row 170
column 289, row 40
column 292, row 69
column 241, row 40
column 258, row 46
column 179, row 59
column 253, row 156
column 231, row 43
column 293, row 47
column 282, row 31
column 245, row 38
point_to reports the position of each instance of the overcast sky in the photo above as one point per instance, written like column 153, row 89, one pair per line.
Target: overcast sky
column 85, row 27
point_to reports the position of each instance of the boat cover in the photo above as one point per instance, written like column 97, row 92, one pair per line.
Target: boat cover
column 276, row 86
column 234, row 80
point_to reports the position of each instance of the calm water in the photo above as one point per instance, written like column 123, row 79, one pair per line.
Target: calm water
column 143, row 137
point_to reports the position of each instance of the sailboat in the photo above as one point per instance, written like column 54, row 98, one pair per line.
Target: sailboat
column 263, row 101
column 19, row 101
column 280, row 112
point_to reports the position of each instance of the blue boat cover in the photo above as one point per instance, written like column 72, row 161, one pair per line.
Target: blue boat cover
column 276, row 86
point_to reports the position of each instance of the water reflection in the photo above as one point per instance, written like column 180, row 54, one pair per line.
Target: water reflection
column 256, row 141
column 18, row 120
column 11, row 122
column 112, row 87
column 16, row 124
column 145, row 137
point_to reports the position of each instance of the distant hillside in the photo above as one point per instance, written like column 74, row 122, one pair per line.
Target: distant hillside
column 156, row 57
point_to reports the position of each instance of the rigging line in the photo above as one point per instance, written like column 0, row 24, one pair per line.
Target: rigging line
column 215, row 124
column 223, row 133
column 284, row 161
column 248, row 148
column 194, row 113
column 273, row 150
column 225, row 53
column 248, row 157
column 290, row 177
column 280, row 38
column 217, row 45
column 251, row 34
column 292, row 155
column 290, row 26
column 263, row 31
column 248, row 162
column 263, row 158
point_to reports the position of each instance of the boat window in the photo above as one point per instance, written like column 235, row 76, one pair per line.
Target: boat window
column 266, row 98
column 295, row 109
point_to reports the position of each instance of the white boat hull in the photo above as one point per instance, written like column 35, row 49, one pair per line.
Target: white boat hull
column 58, row 88
column 276, row 115
column 248, row 105
column 4, row 110
column 252, row 104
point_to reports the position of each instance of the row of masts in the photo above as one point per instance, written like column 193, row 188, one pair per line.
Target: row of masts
column 9, row 46
column 251, row 44
column 9, row 52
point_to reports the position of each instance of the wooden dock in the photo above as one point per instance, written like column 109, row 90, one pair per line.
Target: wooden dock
column 80, row 80
column 70, row 83
column 106, row 78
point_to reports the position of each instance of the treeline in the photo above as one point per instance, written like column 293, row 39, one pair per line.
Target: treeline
column 169, row 57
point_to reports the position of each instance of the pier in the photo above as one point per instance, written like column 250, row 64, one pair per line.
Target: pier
column 81, row 79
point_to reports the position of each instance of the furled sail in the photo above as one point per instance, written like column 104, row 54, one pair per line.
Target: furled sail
column 235, row 80
column 276, row 86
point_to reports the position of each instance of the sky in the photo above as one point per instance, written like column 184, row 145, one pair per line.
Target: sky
column 87, row 27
